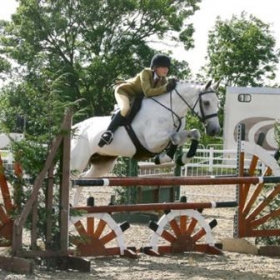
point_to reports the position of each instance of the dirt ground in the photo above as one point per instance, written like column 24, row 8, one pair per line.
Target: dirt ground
column 191, row 265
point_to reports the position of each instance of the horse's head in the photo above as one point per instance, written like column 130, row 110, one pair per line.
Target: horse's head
column 208, row 104
column 202, row 101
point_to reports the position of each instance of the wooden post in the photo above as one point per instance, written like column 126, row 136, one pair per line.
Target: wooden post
column 239, row 188
column 49, row 207
column 64, row 187
column 19, row 222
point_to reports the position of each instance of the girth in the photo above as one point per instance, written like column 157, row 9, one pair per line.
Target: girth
column 141, row 152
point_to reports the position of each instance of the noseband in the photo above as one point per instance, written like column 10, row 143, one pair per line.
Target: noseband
column 204, row 117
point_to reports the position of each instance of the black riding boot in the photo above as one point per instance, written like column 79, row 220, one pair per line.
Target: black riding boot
column 107, row 136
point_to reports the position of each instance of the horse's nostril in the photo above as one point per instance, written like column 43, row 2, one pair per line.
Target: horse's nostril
column 217, row 131
column 213, row 131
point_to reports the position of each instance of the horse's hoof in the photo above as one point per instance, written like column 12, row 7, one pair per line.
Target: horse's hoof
column 182, row 159
column 162, row 158
column 157, row 161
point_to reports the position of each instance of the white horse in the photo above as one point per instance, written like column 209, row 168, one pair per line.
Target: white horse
column 159, row 122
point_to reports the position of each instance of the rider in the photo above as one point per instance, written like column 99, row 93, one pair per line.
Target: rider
column 150, row 82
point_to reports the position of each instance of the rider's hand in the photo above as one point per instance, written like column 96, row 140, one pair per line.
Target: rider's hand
column 171, row 84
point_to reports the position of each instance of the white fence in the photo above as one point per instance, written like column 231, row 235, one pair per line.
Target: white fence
column 212, row 160
column 7, row 158
column 215, row 162
column 207, row 161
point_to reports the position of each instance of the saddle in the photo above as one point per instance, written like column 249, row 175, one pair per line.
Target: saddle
column 141, row 152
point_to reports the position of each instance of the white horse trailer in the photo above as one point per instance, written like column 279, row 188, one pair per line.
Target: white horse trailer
column 258, row 108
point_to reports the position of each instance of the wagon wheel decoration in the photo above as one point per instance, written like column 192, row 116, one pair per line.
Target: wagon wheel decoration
column 255, row 204
column 181, row 231
column 95, row 232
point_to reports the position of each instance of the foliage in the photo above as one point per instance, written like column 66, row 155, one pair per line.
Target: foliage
column 126, row 167
column 34, row 159
column 242, row 51
column 91, row 43
column 31, row 153
column 36, row 113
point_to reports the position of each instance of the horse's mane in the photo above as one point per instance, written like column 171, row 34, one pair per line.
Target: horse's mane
column 192, row 82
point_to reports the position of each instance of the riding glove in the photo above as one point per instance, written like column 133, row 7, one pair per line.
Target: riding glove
column 171, row 84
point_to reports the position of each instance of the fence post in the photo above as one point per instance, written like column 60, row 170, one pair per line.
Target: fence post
column 211, row 159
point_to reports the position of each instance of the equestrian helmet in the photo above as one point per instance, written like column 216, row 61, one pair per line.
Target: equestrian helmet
column 160, row 60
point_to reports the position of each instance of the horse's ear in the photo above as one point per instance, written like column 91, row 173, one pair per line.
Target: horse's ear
column 208, row 85
column 216, row 85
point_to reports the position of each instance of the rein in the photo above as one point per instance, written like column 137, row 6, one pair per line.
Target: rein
column 202, row 118
column 172, row 112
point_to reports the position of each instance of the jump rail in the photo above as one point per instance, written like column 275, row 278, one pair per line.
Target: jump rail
column 156, row 206
column 130, row 181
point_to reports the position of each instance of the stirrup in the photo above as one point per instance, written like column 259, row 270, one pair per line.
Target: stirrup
column 106, row 138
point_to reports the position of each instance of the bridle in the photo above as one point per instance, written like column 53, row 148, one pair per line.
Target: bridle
column 199, row 101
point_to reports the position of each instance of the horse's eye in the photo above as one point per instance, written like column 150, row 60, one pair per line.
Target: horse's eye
column 206, row 103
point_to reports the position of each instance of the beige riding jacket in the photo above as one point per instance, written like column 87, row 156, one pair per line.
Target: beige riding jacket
column 142, row 83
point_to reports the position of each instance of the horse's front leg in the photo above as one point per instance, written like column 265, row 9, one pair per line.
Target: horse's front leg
column 166, row 156
column 184, row 158
column 180, row 137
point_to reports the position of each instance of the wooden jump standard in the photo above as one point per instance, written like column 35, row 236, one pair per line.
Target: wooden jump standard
column 93, row 239
column 185, row 237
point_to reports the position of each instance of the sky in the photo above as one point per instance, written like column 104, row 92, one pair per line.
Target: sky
column 204, row 20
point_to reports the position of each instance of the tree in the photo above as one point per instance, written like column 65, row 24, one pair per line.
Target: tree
column 93, row 42
column 242, row 51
